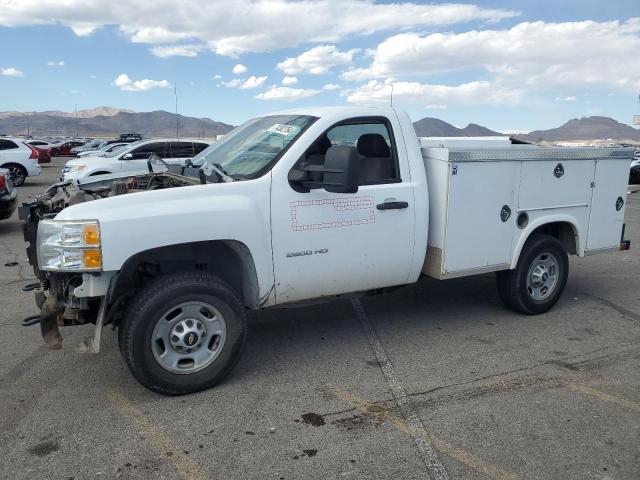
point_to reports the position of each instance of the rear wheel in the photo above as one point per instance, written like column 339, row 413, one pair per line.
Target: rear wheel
column 55, row 152
column 183, row 333
column 17, row 173
column 539, row 278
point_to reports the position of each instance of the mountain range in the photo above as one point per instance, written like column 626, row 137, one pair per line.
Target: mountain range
column 109, row 121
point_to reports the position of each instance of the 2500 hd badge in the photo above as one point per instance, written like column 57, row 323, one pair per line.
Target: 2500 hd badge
column 304, row 253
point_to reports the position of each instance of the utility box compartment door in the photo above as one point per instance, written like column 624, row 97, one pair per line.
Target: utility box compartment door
column 555, row 183
column 477, row 236
column 605, row 222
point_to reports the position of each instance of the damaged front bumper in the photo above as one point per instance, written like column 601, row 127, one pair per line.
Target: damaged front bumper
column 65, row 298
column 73, row 299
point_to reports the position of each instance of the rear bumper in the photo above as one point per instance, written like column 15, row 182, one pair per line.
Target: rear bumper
column 34, row 170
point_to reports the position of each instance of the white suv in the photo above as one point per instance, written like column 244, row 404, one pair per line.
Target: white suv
column 133, row 158
column 19, row 158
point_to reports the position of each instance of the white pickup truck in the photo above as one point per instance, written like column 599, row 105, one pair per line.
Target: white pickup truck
column 302, row 204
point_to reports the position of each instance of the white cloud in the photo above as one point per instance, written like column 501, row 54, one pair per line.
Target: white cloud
column 317, row 60
column 286, row 93
column 248, row 26
column 238, row 69
column 11, row 72
column 235, row 83
column 289, row 80
column 217, row 77
column 55, row 64
column 166, row 51
column 537, row 54
column 242, row 84
column 434, row 96
column 252, row 82
column 570, row 98
column 123, row 82
column 331, row 86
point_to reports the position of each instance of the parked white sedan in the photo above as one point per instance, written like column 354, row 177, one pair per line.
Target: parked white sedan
column 103, row 151
column 133, row 158
column 19, row 158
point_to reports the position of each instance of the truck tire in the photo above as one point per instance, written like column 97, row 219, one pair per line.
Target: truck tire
column 183, row 332
column 539, row 277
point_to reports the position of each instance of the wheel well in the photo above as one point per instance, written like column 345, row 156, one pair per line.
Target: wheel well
column 228, row 259
column 563, row 231
column 12, row 164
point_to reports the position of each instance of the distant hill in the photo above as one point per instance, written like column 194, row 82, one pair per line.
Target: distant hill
column 586, row 128
column 577, row 129
column 109, row 122
column 89, row 113
column 434, row 127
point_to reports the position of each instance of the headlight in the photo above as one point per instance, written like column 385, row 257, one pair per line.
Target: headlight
column 72, row 168
column 69, row 245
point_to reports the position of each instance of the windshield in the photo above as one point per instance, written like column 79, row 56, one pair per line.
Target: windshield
column 252, row 147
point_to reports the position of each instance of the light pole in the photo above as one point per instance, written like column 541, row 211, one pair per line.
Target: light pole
column 175, row 92
column 75, row 109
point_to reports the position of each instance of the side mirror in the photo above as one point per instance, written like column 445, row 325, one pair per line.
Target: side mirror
column 341, row 170
column 127, row 156
column 339, row 174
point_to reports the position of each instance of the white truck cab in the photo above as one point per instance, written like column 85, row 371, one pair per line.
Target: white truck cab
column 303, row 204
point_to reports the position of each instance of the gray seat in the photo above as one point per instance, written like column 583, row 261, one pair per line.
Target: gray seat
column 376, row 162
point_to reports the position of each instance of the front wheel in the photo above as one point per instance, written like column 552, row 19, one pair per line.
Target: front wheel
column 183, row 333
column 539, row 277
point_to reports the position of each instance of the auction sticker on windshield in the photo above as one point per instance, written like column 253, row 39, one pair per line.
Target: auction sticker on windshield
column 282, row 129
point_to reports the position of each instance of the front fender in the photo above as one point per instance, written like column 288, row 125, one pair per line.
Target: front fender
column 136, row 222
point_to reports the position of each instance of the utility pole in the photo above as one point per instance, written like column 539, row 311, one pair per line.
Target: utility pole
column 391, row 85
column 75, row 109
column 175, row 92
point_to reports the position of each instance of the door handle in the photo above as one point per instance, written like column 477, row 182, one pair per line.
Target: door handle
column 392, row 205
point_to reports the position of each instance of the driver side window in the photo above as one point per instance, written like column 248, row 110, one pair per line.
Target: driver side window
column 372, row 138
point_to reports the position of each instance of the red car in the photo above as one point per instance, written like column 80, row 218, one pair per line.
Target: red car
column 65, row 148
column 44, row 154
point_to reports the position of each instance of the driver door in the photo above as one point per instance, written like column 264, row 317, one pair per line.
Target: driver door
column 331, row 243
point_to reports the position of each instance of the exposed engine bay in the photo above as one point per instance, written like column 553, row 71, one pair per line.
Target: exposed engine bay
column 54, row 292
column 65, row 194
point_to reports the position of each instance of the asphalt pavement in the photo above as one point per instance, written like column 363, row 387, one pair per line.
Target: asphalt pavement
column 436, row 380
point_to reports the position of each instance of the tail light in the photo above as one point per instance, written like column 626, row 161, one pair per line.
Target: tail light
column 4, row 185
column 34, row 153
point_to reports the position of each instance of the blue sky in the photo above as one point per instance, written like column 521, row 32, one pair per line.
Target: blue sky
column 511, row 66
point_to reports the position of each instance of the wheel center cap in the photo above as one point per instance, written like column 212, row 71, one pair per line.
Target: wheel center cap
column 190, row 339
